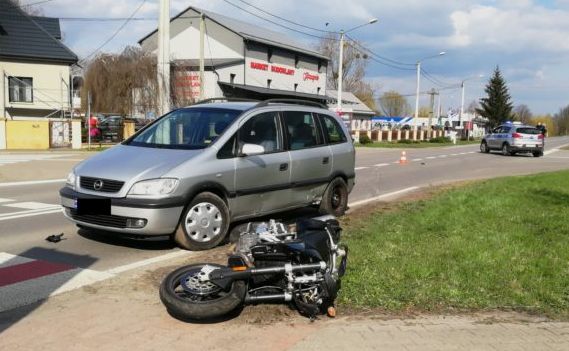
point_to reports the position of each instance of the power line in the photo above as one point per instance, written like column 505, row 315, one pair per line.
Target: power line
column 276, row 23
column 287, row 20
column 116, row 32
column 377, row 55
column 30, row 4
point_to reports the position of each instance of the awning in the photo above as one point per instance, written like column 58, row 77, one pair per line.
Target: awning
column 239, row 89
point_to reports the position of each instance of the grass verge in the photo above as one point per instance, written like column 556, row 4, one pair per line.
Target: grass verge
column 497, row 244
column 414, row 145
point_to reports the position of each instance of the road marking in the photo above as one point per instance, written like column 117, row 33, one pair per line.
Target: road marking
column 472, row 152
column 564, row 157
column 442, row 156
column 548, row 152
column 28, row 213
column 138, row 264
column 29, row 270
column 32, row 205
column 32, row 182
column 417, row 159
column 358, row 168
column 431, row 157
column 5, row 200
column 381, row 165
column 7, row 259
column 381, row 197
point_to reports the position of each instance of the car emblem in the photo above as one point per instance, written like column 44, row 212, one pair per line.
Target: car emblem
column 98, row 184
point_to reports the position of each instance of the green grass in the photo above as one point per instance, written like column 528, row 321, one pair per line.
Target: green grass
column 498, row 244
column 414, row 145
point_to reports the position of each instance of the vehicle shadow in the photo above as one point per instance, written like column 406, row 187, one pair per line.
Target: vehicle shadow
column 155, row 243
column 29, row 278
column 498, row 154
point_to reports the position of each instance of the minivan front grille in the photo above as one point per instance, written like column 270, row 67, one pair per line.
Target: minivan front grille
column 100, row 184
column 102, row 220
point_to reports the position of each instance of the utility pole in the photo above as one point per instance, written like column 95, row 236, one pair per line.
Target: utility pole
column 432, row 92
column 340, row 71
column 416, row 119
column 89, row 120
column 163, row 68
column 202, row 30
column 439, row 108
column 461, row 104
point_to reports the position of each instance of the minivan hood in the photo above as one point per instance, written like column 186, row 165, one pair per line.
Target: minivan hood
column 132, row 163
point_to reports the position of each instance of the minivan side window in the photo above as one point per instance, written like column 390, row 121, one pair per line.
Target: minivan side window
column 332, row 130
column 301, row 130
column 263, row 130
column 227, row 150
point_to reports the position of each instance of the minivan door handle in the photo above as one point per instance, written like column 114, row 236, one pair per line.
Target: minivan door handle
column 283, row 167
column 325, row 160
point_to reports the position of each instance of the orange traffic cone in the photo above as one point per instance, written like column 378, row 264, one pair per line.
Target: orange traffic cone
column 403, row 159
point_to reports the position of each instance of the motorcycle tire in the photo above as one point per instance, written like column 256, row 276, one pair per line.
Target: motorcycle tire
column 186, row 309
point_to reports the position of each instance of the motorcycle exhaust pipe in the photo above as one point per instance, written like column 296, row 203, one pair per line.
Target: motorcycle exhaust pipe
column 285, row 297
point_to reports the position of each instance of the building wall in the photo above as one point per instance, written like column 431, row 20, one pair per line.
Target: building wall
column 185, row 40
column 50, row 89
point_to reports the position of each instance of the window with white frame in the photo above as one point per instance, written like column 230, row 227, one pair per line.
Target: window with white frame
column 20, row 89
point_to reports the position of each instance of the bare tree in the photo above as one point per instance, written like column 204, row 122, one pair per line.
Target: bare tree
column 562, row 121
column 393, row 104
column 354, row 67
column 472, row 106
column 523, row 114
column 121, row 83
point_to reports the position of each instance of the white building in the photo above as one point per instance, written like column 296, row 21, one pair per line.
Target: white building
column 241, row 60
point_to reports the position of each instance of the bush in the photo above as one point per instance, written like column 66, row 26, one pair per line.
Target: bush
column 364, row 139
column 441, row 140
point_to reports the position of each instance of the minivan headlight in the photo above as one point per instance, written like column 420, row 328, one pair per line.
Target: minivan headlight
column 70, row 181
column 154, row 187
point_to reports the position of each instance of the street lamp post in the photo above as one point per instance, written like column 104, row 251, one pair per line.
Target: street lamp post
column 341, row 61
column 462, row 97
column 419, row 85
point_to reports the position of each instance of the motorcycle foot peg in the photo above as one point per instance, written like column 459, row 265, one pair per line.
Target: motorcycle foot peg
column 331, row 312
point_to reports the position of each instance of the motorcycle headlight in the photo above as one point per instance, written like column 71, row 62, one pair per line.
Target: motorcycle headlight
column 71, row 178
column 154, row 187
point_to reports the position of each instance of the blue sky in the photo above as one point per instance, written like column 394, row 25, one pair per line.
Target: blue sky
column 528, row 39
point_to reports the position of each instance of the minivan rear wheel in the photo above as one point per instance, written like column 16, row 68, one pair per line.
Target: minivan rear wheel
column 335, row 199
column 204, row 223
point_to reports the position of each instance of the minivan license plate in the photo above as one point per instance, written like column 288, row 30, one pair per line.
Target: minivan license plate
column 94, row 207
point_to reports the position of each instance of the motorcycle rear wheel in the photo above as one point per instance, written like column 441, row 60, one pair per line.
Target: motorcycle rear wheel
column 212, row 303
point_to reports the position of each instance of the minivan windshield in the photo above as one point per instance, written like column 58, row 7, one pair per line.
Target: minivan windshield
column 190, row 128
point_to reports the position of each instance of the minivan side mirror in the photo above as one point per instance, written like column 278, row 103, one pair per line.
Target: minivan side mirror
column 251, row 150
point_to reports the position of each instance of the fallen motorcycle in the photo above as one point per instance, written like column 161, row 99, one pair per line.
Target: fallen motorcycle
column 271, row 263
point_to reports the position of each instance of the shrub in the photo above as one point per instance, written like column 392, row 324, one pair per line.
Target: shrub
column 364, row 139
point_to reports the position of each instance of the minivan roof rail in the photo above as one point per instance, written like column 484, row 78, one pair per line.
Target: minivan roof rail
column 291, row 101
column 228, row 99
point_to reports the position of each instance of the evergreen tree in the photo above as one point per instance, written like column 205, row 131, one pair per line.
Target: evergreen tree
column 497, row 107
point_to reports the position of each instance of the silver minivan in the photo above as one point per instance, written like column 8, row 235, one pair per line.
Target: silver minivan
column 195, row 170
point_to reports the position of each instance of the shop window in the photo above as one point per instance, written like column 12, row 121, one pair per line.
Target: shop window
column 232, row 78
column 269, row 83
column 296, row 61
column 295, row 86
column 318, row 90
column 319, row 66
column 20, row 89
column 269, row 55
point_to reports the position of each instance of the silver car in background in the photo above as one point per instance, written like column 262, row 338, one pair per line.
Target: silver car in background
column 197, row 169
column 512, row 138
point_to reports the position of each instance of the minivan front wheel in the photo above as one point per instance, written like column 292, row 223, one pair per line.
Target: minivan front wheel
column 335, row 199
column 204, row 223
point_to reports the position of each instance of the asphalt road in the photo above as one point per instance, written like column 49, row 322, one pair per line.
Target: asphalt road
column 23, row 229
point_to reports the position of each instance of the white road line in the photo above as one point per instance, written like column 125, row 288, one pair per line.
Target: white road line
column 563, row 157
column 382, row 197
column 417, row 159
column 381, row 165
column 442, row 156
column 32, row 205
column 431, row 157
column 138, row 264
column 358, row 168
column 29, row 213
column 549, row 152
column 32, row 182
column 5, row 200
column 472, row 152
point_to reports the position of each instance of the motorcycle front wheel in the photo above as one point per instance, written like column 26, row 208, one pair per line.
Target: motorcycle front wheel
column 187, row 298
